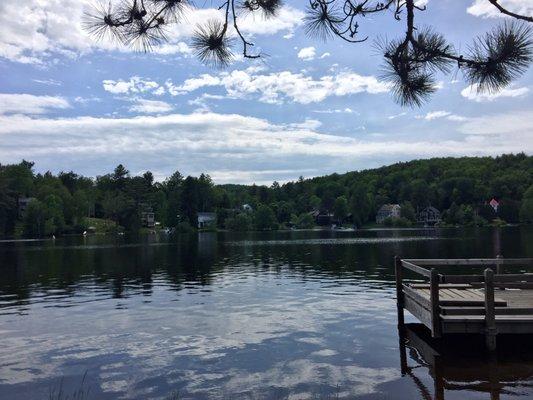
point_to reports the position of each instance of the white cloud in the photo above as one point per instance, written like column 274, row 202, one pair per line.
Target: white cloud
column 30, row 104
column 483, row 8
column 512, row 126
column 397, row 115
column 432, row 115
column 457, row 118
column 276, row 87
column 159, row 91
column 173, row 48
column 48, row 82
column 307, row 53
column 308, row 124
column 150, row 107
column 225, row 142
column 345, row 110
column 33, row 30
column 134, row 85
column 287, row 19
column 472, row 93
column 193, row 84
column 86, row 100
column 324, row 55
column 435, row 114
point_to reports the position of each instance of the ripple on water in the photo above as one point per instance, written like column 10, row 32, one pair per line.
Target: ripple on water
column 331, row 241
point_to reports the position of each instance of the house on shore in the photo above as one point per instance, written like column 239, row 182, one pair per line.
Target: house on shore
column 148, row 219
column 206, row 220
column 428, row 216
column 322, row 218
column 388, row 211
column 495, row 204
column 147, row 216
column 247, row 208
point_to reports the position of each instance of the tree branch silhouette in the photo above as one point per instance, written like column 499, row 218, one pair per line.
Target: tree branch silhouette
column 492, row 62
column 509, row 13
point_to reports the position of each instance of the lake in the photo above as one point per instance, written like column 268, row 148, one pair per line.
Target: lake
column 299, row 315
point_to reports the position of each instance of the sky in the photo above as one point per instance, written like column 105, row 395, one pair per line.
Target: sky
column 309, row 108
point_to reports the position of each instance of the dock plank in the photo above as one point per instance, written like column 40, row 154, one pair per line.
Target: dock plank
column 468, row 297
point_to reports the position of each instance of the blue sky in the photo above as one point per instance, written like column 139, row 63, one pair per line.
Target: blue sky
column 309, row 109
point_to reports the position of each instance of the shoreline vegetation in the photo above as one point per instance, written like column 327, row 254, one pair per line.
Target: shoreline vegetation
column 35, row 205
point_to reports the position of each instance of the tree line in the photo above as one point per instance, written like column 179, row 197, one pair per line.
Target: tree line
column 459, row 187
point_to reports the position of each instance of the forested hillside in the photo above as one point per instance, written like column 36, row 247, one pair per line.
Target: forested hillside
column 458, row 187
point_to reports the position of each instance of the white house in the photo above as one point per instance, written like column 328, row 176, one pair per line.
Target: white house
column 388, row 211
column 206, row 219
column 148, row 219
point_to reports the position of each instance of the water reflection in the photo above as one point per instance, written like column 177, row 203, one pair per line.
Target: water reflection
column 214, row 315
column 460, row 365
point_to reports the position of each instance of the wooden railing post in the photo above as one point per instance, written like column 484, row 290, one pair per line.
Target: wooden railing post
column 499, row 264
column 436, row 330
column 499, row 267
column 490, row 317
column 399, row 291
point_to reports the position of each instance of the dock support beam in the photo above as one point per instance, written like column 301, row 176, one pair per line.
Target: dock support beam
column 436, row 330
column 490, row 317
column 399, row 292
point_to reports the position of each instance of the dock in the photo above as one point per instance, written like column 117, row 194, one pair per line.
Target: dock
column 487, row 296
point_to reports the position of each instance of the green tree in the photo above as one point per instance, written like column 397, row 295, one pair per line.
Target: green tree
column 509, row 210
column 35, row 219
column 408, row 211
column 241, row 222
column 8, row 209
column 314, row 202
column 119, row 177
column 189, row 200
column 305, row 221
column 340, row 208
column 526, row 210
column 55, row 220
column 360, row 204
column 454, row 215
column 420, row 193
column 205, row 193
column 264, row 218
column 173, row 186
column 283, row 211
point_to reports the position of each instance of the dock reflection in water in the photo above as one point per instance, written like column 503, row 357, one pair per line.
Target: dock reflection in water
column 460, row 366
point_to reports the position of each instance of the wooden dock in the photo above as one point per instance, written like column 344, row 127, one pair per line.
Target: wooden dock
column 486, row 299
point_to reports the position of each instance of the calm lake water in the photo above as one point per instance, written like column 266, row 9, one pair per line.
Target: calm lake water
column 219, row 315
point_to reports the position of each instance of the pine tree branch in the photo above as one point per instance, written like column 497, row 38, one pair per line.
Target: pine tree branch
column 510, row 13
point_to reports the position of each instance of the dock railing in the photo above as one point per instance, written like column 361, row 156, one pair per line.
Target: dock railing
column 439, row 273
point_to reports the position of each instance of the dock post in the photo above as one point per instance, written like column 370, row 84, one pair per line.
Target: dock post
column 499, row 266
column 399, row 291
column 436, row 330
column 490, row 317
